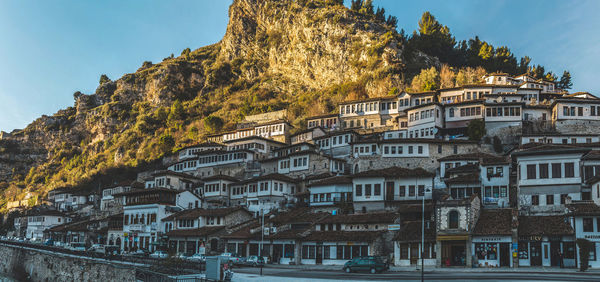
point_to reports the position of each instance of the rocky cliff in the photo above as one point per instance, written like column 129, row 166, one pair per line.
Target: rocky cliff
column 304, row 56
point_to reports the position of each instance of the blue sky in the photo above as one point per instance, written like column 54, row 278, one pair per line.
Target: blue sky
column 50, row 49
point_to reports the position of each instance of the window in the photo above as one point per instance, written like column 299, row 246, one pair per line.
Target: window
column 367, row 189
column 556, row 170
column 453, row 219
column 420, row 149
column 588, row 225
column 404, row 251
column 593, row 251
column 535, row 200
column 531, row 171
column 402, row 189
column 550, row 199
column 421, row 190
column 377, row 190
column 543, row 170
column 411, row 190
column 563, row 198
column 569, row 170
column 358, row 190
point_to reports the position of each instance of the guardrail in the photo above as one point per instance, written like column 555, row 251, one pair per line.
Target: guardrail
column 168, row 266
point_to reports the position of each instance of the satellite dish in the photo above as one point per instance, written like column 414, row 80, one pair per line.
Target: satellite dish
column 502, row 203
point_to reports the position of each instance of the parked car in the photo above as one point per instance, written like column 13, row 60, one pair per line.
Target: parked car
column 49, row 242
column 159, row 254
column 137, row 253
column 112, row 250
column 197, row 257
column 254, row 261
column 233, row 258
column 76, row 246
column 370, row 264
column 182, row 256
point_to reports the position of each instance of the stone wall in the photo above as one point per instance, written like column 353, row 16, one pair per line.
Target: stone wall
column 46, row 266
column 577, row 126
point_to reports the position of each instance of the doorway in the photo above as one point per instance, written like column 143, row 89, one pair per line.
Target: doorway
column 319, row 255
column 555, row 253
column 505, row 254
column 454, row 253
column 536, row 253
column 389, row 191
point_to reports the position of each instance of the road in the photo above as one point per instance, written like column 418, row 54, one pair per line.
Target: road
column 303, row 275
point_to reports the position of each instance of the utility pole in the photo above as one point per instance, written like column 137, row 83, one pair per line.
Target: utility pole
column 262, row 239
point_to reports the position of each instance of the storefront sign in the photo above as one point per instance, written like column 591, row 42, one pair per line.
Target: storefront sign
column 592, row 237
column 530, row 238
column 491, row 239
column 452, row 237
column 394, row 227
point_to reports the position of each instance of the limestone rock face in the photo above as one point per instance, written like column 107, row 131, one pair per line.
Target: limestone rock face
column 288, row 47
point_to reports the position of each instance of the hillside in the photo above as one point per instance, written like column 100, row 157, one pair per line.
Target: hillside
column 304, row 56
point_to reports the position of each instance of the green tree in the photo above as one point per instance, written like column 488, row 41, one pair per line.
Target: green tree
column 177, row 112
column 565, row 81
column 366, row 7
column 585, row 246
column 186, row 52
column 476, row 129
column 550, row 76
column 355, row 5
column 497, row 145
column 166, row 142
column 486, row 51
column 380, row 14
column 104, row 79
column 427, row 80
column 213, row 124
column 392, row 21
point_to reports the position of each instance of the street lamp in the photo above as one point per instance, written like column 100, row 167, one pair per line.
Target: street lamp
column 425, row 190
column 262, row 239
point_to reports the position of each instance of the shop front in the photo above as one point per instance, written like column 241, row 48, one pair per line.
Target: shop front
column 454, row 250
column 546, row 241
column 492, row 251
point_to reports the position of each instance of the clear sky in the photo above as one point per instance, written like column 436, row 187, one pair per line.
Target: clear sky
column 50, row 49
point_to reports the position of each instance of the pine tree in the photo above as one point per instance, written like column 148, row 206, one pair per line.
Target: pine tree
column 355, row 5
column 565, row 81
column 367, row 7
column 392, row 21
column 380, row 14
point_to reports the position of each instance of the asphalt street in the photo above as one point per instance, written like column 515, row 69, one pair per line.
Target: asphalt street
column 270, row 274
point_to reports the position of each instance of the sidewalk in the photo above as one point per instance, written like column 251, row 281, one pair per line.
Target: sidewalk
column 444, row 269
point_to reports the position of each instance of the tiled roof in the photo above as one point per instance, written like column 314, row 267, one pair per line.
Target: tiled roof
column 592, row 155
column 463, row 179
column 394, row 172
column 298, row 215
column 343, row 179
column 542, row 149
column 336, row 236
column 485, row 159
column 196, row 232
column 170, row 172
column 196, row 213
column 464, row 168
column 584, row 208
column 147, row 191
column 380, row 217
column 544, row 225
column 410, row 231
column 494, row 222
column 220, row 177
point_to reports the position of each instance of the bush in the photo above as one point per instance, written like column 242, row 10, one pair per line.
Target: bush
column 498, row 145
column 103, row 79
column 213, row 124
column 585, row 246
column 476, row 129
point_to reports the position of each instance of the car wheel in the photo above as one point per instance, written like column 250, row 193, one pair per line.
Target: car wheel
column 373, row 270
column 348, row 270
